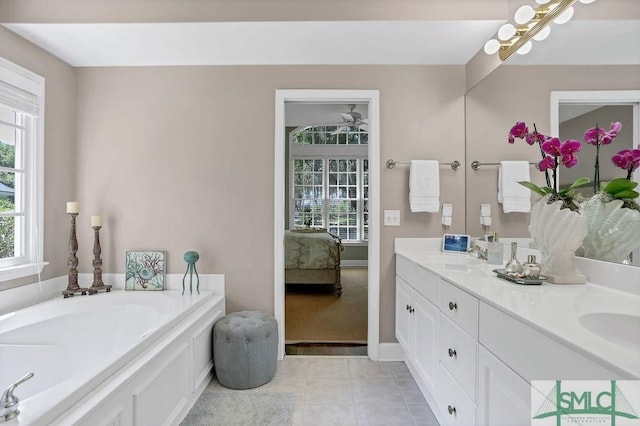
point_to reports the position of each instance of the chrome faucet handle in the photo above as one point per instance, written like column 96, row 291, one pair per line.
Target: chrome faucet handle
column 9, row 402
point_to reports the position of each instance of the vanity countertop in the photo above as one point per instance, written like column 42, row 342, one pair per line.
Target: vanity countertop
column 553, row 309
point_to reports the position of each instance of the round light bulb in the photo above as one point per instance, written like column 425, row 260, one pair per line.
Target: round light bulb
column 542, row 1
column 506, row 32
column 525, row 48
column 587, row 1
column 524, row 14
column 491, row 46
column 564, row 16
column 542, row 34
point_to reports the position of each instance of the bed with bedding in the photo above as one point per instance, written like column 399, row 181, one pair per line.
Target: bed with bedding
column 312, row 256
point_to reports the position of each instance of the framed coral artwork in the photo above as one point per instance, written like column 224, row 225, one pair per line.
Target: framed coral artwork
column 145, row 270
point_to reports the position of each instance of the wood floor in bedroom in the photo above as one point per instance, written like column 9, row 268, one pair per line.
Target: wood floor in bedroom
column 318, row 322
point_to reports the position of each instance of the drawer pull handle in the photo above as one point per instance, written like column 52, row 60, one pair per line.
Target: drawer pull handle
column 452, row 306
column 408, row 308
column 411, row 310
column 452, row 410
column 452, row 353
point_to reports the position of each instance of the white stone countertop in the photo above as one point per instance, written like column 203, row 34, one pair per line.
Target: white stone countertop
column 552, row 309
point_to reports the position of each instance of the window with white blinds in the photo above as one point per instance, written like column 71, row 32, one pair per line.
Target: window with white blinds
column 21, row 171
column 328, row 187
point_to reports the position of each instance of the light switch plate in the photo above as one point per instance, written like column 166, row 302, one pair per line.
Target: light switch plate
column 392, row 218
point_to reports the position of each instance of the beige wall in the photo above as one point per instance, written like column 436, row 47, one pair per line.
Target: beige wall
column 59, row 145
column 517, row 93
column 182, row 158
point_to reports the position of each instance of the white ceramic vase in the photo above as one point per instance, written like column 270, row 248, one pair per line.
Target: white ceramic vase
column 612, row 231
column 557, row 233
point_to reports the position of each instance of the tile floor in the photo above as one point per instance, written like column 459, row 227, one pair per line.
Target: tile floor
column 350, row 391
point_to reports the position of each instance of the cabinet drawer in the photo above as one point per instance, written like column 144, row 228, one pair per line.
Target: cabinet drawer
column 532, row 354
column 455, row 406
column 458, row 353
column 460, row 307
column 424, row 282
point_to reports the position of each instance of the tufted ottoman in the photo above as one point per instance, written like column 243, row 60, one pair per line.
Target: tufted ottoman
column 245, row 349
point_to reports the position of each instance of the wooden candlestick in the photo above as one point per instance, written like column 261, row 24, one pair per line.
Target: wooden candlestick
column 97, row 264
column 73, row 286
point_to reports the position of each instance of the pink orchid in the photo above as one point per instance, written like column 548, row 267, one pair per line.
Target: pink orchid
column 594, row 135
column 552, row 147
column 546, row 164
column 569, row 160
column 627, row 159
column 519, row 130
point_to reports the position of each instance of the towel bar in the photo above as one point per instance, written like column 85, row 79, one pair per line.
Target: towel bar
column 475, row 165
column 455, row 165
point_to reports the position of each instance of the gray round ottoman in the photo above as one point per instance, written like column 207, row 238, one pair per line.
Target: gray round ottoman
column 245, row 349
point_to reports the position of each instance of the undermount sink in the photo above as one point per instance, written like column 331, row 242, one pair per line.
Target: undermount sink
column 623, row 329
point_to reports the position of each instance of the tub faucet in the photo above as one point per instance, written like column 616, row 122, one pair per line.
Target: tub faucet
column 9, row 402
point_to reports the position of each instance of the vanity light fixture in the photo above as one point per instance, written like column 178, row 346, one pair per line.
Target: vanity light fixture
column 530, row 23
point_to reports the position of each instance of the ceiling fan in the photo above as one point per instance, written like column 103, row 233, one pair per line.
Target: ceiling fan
column 353, row 118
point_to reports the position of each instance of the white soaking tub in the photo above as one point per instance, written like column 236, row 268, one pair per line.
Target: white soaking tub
column 119, row 358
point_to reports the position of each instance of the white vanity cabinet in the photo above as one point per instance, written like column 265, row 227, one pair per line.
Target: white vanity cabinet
column 417, row 321
column 478, row 342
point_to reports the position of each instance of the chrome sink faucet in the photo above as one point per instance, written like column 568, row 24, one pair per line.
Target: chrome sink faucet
column 9, row 402
column 479, row 252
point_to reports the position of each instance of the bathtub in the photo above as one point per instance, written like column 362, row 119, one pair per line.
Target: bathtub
column 119, row 358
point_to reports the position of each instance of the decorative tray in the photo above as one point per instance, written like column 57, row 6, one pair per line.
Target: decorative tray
column 519, row 280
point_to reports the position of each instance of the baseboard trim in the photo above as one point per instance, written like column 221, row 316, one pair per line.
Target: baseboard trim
column 354, row 263
column 390, row 352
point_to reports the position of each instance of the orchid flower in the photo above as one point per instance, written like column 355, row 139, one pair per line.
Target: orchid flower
column 554, row 153
column 627, row 159
column 597, row 136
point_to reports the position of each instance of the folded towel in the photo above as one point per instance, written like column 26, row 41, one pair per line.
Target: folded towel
column 513, row 196
column 424, row 186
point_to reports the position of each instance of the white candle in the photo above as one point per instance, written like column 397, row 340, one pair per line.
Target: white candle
column 96, row 221
column 73, row 207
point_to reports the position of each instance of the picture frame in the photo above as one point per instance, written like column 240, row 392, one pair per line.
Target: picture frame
column 456, row 243
column 145, row 270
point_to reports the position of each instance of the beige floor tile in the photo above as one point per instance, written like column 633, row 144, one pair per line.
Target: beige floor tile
column 422, row 415
column 383, row 415
column 328, row 367
column 323, row 391
column 365, row 368
column 292, row 366
column 377, row 391
column 328, row 415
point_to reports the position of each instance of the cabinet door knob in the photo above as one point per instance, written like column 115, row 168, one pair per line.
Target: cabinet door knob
column 452, row 306
column 452, row 353
column 411, row 310
column 451, row 409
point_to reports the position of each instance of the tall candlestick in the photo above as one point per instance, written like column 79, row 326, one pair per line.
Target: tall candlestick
column 73, row 207
column 97, row 261
column 73, row 286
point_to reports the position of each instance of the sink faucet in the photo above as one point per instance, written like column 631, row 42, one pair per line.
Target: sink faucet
column 9, row 402
column 478, row 252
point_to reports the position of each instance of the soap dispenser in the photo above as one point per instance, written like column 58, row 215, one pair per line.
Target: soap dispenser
column 494, row 251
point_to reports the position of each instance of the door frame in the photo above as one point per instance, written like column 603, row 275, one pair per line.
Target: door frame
column 371, row 97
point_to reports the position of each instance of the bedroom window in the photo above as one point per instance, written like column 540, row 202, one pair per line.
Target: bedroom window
column 21, row 171
column 329, row 181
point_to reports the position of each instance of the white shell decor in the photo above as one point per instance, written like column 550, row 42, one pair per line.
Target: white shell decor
column 613, row 231
column 557, row 233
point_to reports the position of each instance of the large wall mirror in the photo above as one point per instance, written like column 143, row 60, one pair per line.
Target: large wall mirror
column 520, row 90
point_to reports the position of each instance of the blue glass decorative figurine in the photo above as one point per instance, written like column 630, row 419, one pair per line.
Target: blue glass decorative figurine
column 191, row 257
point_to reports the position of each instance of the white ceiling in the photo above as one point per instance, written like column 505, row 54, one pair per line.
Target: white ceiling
column 261, row 43
column 578, row 42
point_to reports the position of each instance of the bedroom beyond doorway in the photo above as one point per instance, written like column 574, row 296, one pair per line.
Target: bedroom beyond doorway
column 318, row 322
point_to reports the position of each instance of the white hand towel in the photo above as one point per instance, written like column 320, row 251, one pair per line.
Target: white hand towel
column 513, row 196
column 424, row 186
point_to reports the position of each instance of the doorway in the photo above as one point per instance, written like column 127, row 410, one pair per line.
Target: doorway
column 370, row 98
